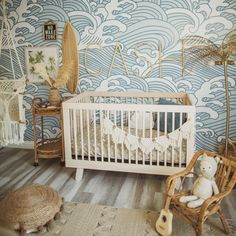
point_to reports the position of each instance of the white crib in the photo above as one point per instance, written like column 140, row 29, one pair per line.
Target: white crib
column 151, row 133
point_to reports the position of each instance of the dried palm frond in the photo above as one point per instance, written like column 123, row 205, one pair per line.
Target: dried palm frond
column 229, row 38
column 199, row 41
column 69, row 54
column 197, row 46
column 230, row 48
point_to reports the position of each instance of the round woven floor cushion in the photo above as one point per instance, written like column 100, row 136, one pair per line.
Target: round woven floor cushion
column 29, row 207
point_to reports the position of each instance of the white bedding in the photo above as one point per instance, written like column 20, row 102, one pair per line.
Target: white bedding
column 112, row 150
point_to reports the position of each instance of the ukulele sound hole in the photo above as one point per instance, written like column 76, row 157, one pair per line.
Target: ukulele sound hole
column 164, row 219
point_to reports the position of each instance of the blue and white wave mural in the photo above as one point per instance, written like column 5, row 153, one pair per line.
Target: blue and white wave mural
column 141, row 28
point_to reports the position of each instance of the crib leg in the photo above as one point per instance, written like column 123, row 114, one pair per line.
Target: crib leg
column 79, row 174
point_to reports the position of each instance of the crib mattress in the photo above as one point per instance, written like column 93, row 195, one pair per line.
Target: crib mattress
column 93, row 144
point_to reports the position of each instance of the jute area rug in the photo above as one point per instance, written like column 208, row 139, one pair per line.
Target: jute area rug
column 95, row 220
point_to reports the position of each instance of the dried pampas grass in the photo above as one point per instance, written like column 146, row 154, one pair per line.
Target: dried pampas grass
column 69, row 71
column 64, row 74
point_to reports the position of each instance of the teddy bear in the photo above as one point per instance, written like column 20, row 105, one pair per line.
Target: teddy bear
column 205, row 185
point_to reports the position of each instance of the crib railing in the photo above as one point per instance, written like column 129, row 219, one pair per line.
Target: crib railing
column 99, row 133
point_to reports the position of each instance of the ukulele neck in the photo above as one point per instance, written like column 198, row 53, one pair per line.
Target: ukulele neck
column 169, row 195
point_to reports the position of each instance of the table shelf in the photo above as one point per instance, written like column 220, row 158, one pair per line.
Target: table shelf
column 50, row 147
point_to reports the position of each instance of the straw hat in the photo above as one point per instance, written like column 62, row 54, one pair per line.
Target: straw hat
column 29, row 207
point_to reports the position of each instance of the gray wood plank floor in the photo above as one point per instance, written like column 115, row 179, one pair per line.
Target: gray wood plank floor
column 97, row 187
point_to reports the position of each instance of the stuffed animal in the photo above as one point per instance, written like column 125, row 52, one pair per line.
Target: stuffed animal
column 205, row 185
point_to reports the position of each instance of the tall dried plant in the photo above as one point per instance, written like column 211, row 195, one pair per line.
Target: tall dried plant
column 204, row 51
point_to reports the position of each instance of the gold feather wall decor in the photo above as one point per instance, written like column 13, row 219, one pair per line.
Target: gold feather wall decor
column 68, row 72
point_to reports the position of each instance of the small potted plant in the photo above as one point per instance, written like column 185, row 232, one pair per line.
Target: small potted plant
column 54, row 97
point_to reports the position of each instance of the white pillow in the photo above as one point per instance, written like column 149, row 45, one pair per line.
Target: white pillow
column 144, row 120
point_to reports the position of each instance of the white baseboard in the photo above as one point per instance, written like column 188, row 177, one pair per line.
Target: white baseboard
column 25, row 145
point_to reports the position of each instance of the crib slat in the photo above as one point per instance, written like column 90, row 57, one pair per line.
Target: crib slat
column 190, row 144
column 165, row 132
column 109, row 141
column 95, row 134
column 129, row 156
column 101, row 132
column 158, row 135
column 71, row 129
column 136, row 133
column 88, row 134
column 143, row 132
column 122, row 145
column 172, row 148
column 75, row 134
column 180, row 149
column 115, row 121
column 151, row 121
column 82, row 133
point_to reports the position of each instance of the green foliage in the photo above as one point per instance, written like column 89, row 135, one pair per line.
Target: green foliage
column 31, row 59
column 52, row 65
column 39, row 57
column 32, row 70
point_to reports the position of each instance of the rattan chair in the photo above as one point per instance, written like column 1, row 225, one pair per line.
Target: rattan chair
column 225, row 179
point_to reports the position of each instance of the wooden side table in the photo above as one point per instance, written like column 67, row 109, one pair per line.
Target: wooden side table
column 50, row 147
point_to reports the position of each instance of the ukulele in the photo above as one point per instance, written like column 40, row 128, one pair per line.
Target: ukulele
column 164, row 221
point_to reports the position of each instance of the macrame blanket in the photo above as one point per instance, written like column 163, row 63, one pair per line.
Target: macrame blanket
column 12, row 112
column 147, row 145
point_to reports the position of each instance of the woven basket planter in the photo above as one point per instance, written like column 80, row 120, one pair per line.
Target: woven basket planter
column 54, row 97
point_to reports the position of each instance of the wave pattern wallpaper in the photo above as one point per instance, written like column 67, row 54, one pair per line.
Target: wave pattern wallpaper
column 149, row 34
